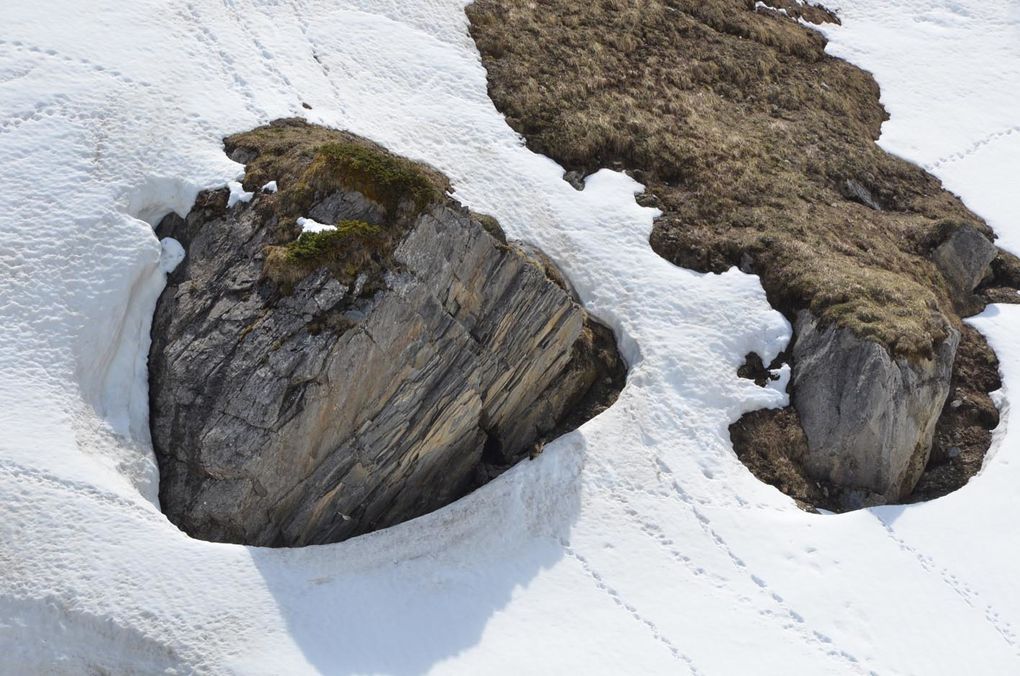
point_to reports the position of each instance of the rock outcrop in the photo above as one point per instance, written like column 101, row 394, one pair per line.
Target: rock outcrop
column 964, row 259
column 869, row 417
column 299, row 398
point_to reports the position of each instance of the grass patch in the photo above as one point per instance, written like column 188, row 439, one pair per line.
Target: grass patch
column 352, row 249
column 309, row 163
column 491, row 226
column 329, row 246
column 759, row 149
column 381, row 177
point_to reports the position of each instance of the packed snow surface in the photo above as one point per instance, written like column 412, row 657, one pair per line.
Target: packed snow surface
column 237, row 194
column 637, row 544
column 309, row 225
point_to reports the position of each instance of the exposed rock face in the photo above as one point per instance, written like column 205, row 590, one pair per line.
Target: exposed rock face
column 869, row 418
column 287, row 417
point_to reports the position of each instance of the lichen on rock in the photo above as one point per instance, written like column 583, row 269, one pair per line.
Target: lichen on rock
column 309, row 387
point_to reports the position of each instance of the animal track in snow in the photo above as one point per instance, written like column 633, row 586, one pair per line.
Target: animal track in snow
column 972, row 148
column 622, row 603
column 816, row 638
column 95, row 67
column 961, row 588
column 24, row 475
column 788, row 618
column 226, row 61
column 265, row 55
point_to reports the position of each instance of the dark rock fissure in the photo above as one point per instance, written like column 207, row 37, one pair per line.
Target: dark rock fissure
column 305, row 388
column 759, row 150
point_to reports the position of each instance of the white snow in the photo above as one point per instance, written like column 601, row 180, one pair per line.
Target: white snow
column 237, row 194
column 309, row 225
column 171, row 254
column 270, row 187
column 638, row 544
column 761, row 5
column 782, row 378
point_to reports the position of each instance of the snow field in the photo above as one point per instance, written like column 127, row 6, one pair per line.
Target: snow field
column 638, row 544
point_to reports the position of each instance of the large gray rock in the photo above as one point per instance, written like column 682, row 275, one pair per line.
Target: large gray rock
column 869, row 418
column 308, row 417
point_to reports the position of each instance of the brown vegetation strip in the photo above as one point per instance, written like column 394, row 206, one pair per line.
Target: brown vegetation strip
column 760, row 151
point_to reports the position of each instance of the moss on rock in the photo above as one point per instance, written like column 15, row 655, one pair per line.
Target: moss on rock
column 351, row 249
column 310, row 164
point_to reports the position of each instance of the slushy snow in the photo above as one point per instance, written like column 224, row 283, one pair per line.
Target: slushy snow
column 637, row 544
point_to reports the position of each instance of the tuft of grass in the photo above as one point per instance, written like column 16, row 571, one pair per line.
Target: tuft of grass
column 352, row 249
column 384, row 178
column 329, row 246
column 309, row 163
column 491, row 226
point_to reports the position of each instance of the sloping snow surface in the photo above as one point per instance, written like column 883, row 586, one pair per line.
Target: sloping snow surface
column 638, row 544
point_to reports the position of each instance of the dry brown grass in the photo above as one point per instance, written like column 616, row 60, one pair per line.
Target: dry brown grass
column 771, row 444
column 760, row 151
column 748, row 136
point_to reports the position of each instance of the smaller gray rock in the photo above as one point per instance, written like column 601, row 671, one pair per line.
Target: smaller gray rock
column 856, row 191
column 575, row 179
column 343, row 206
column 964, row 259
column 869, row 418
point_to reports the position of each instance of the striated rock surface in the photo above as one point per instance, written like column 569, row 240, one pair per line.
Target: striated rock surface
column 869, row 417
column 309, row 405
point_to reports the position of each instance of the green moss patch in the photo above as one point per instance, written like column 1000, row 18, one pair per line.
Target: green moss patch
column 328, row 245
column 381, row 177
column 311, row 163
column 352, row 249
